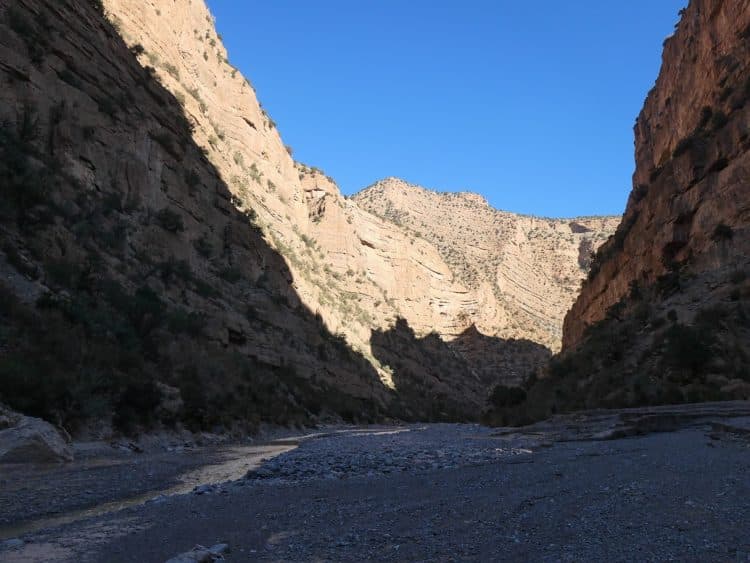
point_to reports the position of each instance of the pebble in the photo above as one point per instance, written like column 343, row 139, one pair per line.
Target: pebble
column 411, row 449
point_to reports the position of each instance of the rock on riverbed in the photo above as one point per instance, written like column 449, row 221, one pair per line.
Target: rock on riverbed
column 25, row 439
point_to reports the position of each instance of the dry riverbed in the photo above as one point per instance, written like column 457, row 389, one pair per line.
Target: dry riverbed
column 648, row 484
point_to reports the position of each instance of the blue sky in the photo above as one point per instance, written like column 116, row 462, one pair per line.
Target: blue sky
column 531, row 104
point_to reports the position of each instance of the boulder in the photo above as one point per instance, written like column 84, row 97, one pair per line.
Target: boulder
column 25, row 439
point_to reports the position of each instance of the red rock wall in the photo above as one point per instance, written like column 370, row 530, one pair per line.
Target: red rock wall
column 689, row 210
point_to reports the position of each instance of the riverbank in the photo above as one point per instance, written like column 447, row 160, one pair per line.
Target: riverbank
column 651, row 484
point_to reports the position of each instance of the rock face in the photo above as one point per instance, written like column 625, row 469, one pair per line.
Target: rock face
column 663, row 316
column 165, row 259
column 129, row 265
column 24, row 439
column 520, row 273
column 688, row 211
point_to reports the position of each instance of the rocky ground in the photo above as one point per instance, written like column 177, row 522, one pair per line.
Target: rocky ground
column 670, row 483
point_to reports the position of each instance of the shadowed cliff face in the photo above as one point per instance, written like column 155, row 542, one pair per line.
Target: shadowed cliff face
column 359, row 269
column 422, row 369
column 134, row 284
column 139, row 286
column 664, row 315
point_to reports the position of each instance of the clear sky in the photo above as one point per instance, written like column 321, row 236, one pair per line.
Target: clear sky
column 531, row 104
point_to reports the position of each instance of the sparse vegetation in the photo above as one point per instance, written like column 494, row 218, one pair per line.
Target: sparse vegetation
column 169, row 220
column 172, row 70
column 34, row 32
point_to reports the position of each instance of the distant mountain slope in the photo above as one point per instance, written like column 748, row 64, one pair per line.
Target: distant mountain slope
column 526, row 271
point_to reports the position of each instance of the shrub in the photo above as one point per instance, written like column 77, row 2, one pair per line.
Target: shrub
column 230, row 274
column 69, row 77
column 722, row 232
column 687, row 348
column 718, row 120
column 203, row 247
column 111, row 202
column 33, row 33
column 192, row 178
column 255, row 174
column 172, row 269
column 22, row 265
column 172, row 70
column 106, row 106
column 136, row 406
column 145, row 310
column 191, row 323
column 98, row 5
column 504, row 396
column 169, row 220
column 205, row 289
column 706, row 114
column 25, row 184
column 137, row 49
column 64, row 272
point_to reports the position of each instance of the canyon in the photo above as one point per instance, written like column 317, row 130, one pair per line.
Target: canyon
column 156, row 225
column 234, row 361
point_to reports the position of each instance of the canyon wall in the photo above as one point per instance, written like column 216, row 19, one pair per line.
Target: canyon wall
column 165, row 257
column 663, row 315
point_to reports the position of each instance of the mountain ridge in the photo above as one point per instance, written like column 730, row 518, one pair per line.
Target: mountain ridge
column 386, row 180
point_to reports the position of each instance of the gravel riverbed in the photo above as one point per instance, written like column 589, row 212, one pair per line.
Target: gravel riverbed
column 451, row 493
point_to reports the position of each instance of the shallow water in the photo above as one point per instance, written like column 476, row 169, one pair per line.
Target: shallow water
column 239, row 460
